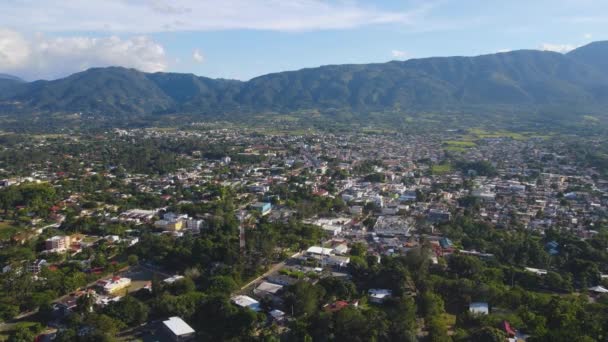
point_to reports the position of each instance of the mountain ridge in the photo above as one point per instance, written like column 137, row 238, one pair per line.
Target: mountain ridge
column 526, row 79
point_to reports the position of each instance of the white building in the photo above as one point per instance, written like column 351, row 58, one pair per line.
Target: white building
column 173, row 279
column 246, row 302
column 178, row 330
column 57, row 243
column 378, row 296
column 114, row 284
column 316, row 250
column 479, row 308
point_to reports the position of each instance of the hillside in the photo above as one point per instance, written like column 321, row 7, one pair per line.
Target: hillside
column 526, row 80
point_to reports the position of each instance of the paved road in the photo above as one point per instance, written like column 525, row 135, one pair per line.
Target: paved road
column 270, row 271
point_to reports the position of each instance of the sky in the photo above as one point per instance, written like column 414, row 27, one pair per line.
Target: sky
column 242, row 39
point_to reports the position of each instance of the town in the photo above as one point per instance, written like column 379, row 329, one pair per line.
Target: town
column 172, row 234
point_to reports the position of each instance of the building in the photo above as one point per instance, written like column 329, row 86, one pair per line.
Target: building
column 114, row 284
column 194, row 224
column 36, row 266
column 341, row 249
column 378, row 296
column 178, row 330
column 173, row 279
column 479, row 308
column 438, row 216
column 391, row 226
column 267, row 289
column 247, row 302
column 170, row 222
column 57, row 243
column 277, row 315
column 262, row 207
column 337, row 261
column 316, row 250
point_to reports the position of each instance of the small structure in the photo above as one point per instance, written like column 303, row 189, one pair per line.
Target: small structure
column 267, row 289
column 277, row 315
column 438, row 216
column 598, row 289
column 247, row 302
column 336, row 306
column 262, row 207
column 479, row 308
column 114, row 284
column 173, row 279
column 36, row 266
column 178, row 330
column 316, row 250
column 378, row 296
column 536, row 271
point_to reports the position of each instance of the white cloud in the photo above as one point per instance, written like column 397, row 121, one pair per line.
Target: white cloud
column 198, row 56
column 400, row 54
column 504, row 50
column 197, row 15
column 588, row 36
column 13, row 49
column 561, row 48
column 52, row 57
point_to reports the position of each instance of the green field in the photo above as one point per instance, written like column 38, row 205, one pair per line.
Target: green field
column 440, row 169
column 7, row 230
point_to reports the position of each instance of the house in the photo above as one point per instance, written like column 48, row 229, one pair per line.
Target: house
column 378, row 296
column 438, row 216
column 173, row 279
column 281, row 279
column 178, row 330
column 316, row 250
column 341, row 249
column 338, row 261
column 57, row 243
column 336, row 306
column 277, row 315
column 445, row 243
column 266, row 289
column 508, row 330
column 36, row 266
column 536, row 271
column 598, row 289
column 247, row 302
column 391, row 226
column 114, row 284
column 479, row 308
column 262, row 207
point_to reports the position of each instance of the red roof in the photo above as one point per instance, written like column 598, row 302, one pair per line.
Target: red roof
column 508, row 328
column 336, row 306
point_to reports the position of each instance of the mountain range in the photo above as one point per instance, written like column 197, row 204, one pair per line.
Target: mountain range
column 522, row 80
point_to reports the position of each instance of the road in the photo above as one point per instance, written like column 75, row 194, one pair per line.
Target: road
column 270, row 271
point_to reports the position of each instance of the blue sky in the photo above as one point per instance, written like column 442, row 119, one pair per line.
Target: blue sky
column 246, row 38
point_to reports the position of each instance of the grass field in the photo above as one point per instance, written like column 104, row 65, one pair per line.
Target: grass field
column 440, row 169
column 7, row 230
column 469, row 140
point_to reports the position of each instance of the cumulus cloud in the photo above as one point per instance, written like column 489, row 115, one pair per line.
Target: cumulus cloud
column 13, row 49
column 198, row 56
column 51, row 57
column 561, row 48
column 400, row 54
column 197, row 15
